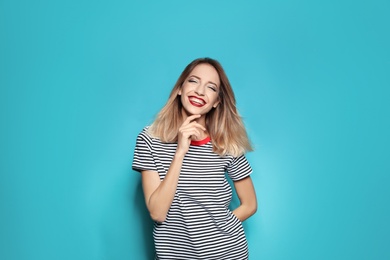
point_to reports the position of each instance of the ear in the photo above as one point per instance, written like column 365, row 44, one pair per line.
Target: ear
column 216, row 104
column 179, row 93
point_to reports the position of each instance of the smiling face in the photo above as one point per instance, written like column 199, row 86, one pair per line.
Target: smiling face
column 200, row 90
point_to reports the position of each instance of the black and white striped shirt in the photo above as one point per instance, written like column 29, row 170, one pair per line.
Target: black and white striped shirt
column 199, row 224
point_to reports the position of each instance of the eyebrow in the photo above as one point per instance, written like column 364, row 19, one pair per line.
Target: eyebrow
column 200, row 79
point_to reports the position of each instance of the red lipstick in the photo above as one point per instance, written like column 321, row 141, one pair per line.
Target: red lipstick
column 196, row 101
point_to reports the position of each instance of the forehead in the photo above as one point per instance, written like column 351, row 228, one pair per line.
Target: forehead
column 206, row 72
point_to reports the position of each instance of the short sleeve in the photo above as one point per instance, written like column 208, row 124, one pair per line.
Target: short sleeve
column 143, row 157
column 239, row 168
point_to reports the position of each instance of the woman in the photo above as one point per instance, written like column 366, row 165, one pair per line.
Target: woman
column 197, row 137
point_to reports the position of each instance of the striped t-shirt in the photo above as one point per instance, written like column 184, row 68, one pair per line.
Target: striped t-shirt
column 199, row 224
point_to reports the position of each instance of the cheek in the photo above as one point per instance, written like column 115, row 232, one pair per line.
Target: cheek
column 182, row 99
column 214, row 97
column 216, row 101
column 183, row 89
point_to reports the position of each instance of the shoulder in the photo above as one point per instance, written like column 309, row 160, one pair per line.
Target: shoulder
column 237, row 160
column 145, row 133
column 146, row 137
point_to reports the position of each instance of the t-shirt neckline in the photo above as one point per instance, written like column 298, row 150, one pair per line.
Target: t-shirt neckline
column 201, row 142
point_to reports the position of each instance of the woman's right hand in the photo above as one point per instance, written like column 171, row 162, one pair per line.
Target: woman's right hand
column 188, row 129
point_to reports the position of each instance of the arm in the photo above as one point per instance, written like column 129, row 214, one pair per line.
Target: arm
column 247, row 196
column 159, row 194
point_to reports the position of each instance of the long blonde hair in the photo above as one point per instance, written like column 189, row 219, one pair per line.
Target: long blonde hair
column 223, row 123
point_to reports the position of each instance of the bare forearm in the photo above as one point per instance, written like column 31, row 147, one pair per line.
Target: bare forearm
column 159, row 194
column 161, row 199
column 243, row 212
column 247, row 195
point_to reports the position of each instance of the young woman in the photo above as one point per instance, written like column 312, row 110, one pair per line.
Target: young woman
column 197, row 137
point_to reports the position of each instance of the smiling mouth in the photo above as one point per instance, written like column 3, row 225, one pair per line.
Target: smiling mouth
column 198, row 102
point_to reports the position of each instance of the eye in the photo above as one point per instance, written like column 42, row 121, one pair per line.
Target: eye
column 213, row 88
column 193, row 81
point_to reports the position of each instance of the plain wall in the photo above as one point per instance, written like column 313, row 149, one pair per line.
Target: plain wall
column 80, row 79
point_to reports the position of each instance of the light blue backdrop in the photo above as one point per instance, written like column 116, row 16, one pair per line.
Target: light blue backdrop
column 80, row 79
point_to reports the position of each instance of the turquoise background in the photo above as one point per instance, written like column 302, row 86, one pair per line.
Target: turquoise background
column 80, row 79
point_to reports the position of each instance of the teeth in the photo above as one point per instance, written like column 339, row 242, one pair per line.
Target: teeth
column 197, row 101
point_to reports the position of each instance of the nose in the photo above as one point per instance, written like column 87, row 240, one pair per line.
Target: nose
column 199, row 90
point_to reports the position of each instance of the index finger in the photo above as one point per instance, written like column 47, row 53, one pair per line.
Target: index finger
column 191, row 118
